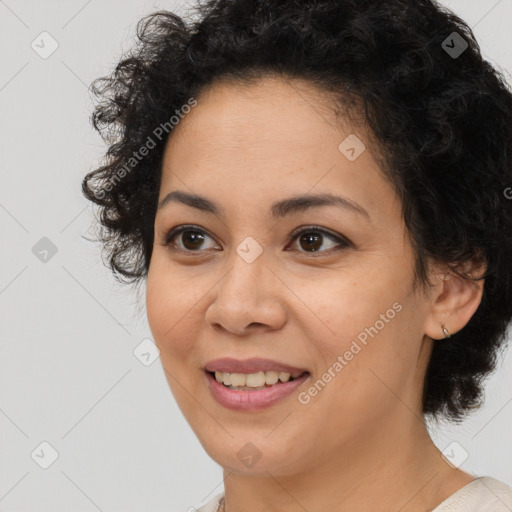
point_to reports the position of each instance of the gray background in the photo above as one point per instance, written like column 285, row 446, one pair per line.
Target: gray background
column 68, row 374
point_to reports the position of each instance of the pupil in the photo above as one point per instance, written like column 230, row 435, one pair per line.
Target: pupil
column 313, row 239
column 195, row 237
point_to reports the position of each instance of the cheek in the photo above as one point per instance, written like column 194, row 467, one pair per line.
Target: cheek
column 344, row 306
column 158, row 300
column 364, row 328
column 173, row 302
column 172, row 325
column 165, row 304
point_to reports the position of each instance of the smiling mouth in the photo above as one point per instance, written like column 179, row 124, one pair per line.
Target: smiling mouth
column 255, row 381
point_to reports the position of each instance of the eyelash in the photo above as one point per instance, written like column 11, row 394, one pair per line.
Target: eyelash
column 345, row 243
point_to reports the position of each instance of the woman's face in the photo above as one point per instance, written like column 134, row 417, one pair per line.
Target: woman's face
column 336, row 301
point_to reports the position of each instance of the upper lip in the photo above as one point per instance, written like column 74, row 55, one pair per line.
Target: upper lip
column 253, row 365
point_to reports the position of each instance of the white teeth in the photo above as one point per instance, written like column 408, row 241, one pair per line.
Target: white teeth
column 271, row 377
column 238, row 379
column 284, row 377
column 254, row 380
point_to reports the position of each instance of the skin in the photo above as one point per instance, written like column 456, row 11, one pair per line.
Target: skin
column 361, row 443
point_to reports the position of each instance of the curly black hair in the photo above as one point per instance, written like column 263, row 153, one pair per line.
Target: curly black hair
column 441, row 114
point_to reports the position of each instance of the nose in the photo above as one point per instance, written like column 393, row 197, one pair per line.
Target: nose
column 248, row 297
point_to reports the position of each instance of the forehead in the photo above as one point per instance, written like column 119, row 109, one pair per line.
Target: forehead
column 270, row 109
column 269, row 136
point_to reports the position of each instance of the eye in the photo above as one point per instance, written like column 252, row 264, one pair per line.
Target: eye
column 311, row 238
column 192, row 240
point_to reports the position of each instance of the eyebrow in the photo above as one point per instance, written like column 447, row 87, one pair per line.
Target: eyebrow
column 279, row 209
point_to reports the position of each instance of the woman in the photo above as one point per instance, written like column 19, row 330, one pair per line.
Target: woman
column 314, row 194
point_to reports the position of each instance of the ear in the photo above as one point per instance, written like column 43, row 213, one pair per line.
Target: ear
column 454, row 300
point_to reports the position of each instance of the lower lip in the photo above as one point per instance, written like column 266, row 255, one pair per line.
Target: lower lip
column 252, row 400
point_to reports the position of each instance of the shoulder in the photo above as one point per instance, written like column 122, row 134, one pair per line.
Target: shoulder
column 484, row 494
column 212, row 505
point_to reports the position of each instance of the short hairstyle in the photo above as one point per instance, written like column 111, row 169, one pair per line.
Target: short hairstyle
column 440, row 114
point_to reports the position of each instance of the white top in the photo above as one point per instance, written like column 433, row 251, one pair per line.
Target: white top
column 484, row 494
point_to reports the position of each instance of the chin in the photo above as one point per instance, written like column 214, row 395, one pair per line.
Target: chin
column 254, row 455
